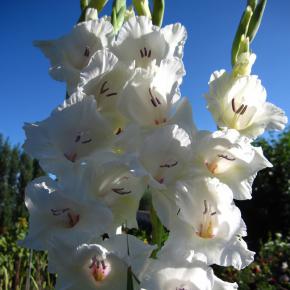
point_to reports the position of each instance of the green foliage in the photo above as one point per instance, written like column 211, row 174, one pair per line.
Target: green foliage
column 16, row 170
column 15, row 262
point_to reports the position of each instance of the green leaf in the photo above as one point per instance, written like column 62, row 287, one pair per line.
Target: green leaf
column 242, row 29
column 157, row 231
column 158, row 12
column 256, row 19
column 130, row 285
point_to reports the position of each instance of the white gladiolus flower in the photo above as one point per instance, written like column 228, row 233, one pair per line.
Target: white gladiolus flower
column 141, row 42
column 229, row 157
column 149, row 97
column 240, row 103
column 72, row 133
column 173, row 275
column 164, row 157
column 100, row 266
column 71, row 54
column 113, row 183
column 106, row 86
column 62, row 214
column 209, row 223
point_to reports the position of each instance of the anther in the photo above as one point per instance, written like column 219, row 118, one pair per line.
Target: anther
column 226, row 157
column 103, row 90
column 233, row 105
column 87, row 52
column 121, row 191
column 244, row 110
column 205, row 207
column 240, row 109
column 119, row 130
column 87, row 141
column 166, row 165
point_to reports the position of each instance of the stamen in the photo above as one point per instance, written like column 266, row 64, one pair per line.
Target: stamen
column 244, row 110
column 78, row 138
column 145, row 51
column 103, row 90
column 226, row 157
column 87, row 141
column 71, row 157
column 73, row 219
column 142, row 54
column 240, row 109
column 149, row 54
column 205, row 207
column 207, row 227
column 233, row 105
column 119, row 130
column 166, row 165
column 111, row 94
column 121, row 191
column 87, row 52
column 57, row 212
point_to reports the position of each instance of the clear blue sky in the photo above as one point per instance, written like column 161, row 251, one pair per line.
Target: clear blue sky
column 29, row 94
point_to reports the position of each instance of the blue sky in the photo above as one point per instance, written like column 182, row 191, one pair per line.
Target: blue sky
column 29, row 94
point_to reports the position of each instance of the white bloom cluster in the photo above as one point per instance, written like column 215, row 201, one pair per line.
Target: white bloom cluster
column 123, row 130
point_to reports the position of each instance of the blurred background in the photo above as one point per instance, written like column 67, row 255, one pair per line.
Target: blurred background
column 29, row 94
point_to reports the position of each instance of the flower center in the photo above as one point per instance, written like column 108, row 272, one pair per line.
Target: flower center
column 239, row 111
column 208, row 228
column 163, row 170
column 157, row 104
column 81, row 138
column 67, row 216
column 99, row 269
column 106, row 91
column 220, row 164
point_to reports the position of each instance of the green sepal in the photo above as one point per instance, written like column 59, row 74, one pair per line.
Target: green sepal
column 158, row 12
column 242, row 29
column 121, row 17
column 114, row 19
column 256, row 19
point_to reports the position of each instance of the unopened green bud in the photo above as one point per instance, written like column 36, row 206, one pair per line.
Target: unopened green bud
column 129, row 13
column 158, row 12
column 91, row 14
column 256, row 19
column 243, row 66
column 242, row 29
column 142, row 7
